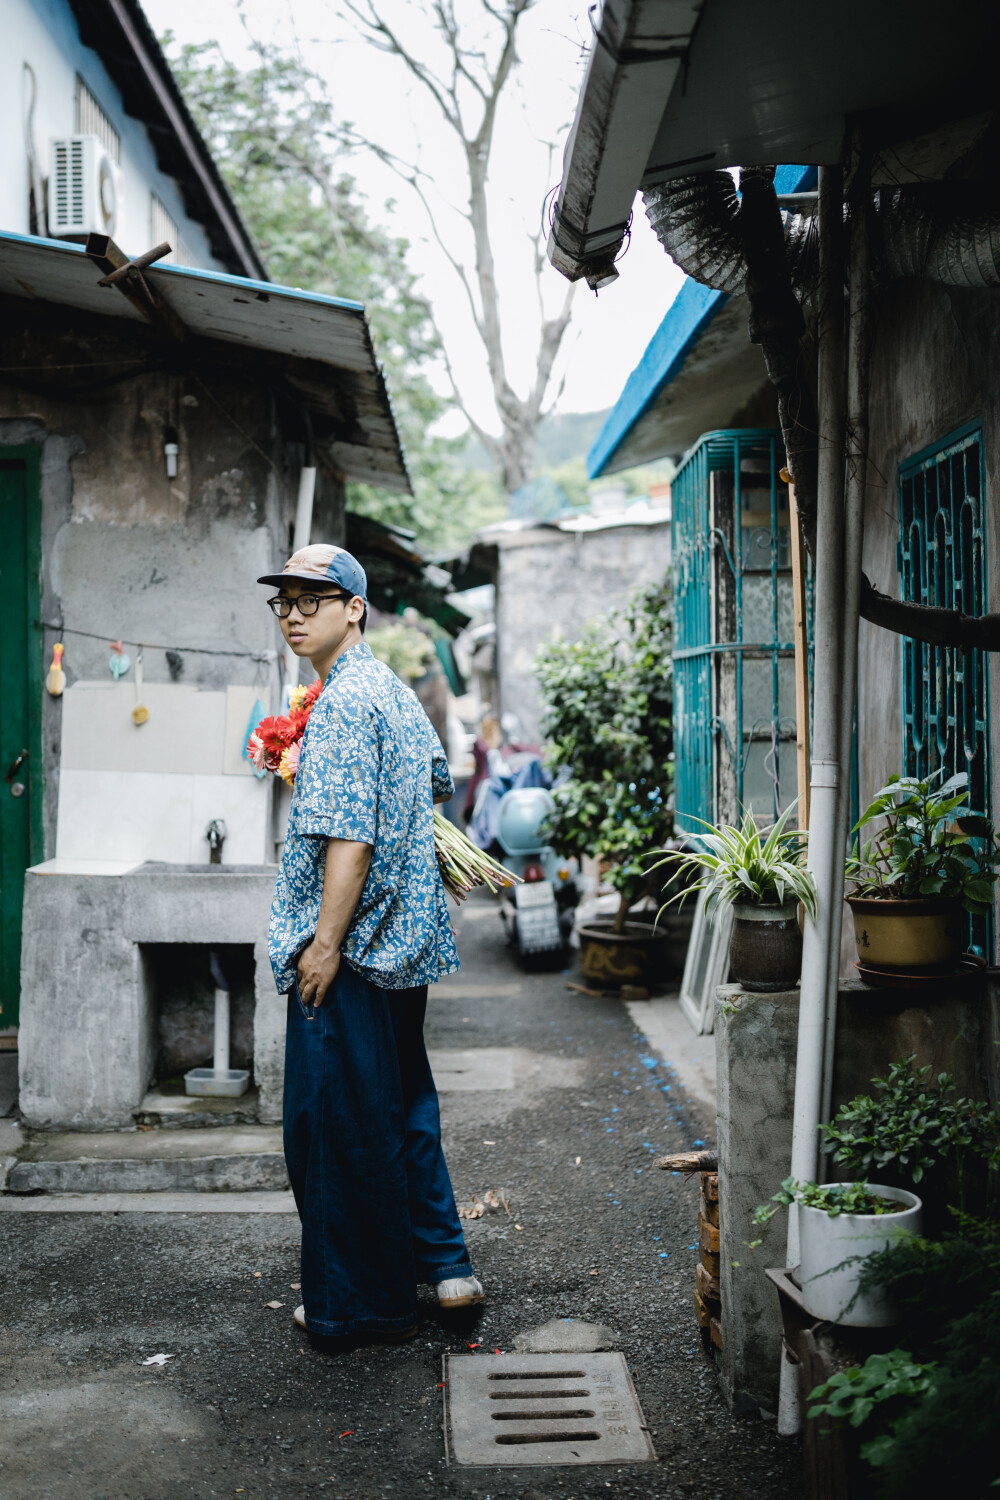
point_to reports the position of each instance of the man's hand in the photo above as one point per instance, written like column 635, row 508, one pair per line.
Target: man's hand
column 317, row 969
column 346, row 871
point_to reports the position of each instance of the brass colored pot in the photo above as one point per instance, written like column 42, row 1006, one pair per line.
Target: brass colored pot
column 765, row 950
column 609, row 959
column 920, row 936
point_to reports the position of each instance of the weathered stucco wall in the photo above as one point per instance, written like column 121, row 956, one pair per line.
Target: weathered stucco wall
column 934, row 367
column 551, row 582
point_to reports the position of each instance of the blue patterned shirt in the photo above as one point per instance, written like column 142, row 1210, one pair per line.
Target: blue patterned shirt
column 369, row 770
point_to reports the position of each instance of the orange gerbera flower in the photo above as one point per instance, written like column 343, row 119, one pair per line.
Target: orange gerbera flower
column 272, row 734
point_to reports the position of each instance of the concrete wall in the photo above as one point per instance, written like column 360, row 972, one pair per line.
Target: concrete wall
column 129, row 554
column 553, row 582
column 90, row 1023
column 934, row 366
column 44, row 34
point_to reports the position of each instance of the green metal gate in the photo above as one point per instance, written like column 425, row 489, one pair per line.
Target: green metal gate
column 942, row 560
column 20, row 696
column 734, row 683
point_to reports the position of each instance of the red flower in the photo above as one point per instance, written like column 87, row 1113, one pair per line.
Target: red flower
column 272, row 735
column 312, row 693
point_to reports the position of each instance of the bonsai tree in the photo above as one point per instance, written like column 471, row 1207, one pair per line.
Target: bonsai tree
column 608, row 724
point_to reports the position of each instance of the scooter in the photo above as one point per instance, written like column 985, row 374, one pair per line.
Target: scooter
column 538, row 914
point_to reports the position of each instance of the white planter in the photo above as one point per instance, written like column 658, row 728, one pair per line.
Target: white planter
column 832, row 1255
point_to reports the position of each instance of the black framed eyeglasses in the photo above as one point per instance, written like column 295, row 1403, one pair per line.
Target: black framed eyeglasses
column 306, row 604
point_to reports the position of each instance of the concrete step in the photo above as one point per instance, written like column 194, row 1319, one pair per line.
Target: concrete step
column 210, row 1160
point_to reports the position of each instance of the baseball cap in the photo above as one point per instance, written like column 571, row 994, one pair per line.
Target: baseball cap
column 323, row 563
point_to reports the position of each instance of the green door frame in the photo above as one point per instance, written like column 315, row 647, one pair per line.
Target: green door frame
column 22, row 671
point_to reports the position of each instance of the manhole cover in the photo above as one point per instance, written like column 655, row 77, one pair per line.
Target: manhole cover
column 543, row 1409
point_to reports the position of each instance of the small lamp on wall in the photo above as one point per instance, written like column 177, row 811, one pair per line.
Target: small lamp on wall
column 171, row 448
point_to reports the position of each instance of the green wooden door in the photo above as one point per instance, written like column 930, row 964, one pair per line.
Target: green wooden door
column 20, row 706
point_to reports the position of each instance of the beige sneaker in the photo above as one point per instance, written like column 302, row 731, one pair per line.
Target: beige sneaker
column 300, row 1315
column 460, row 1291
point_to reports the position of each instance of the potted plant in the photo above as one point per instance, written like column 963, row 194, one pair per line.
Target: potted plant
column 910, row 1131
column 608, row 722
column 840, row 1225
column 763, row 878
column 931, row 858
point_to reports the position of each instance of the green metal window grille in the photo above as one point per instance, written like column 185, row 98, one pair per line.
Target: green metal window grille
column 734, row 685
column 942, row 560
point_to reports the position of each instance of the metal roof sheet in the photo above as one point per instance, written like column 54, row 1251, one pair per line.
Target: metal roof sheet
column 320, row 345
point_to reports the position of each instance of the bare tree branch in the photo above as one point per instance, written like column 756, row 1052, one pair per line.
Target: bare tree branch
column 466, row 90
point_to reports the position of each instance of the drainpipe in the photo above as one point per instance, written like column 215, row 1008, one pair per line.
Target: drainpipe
column 300, row 538
column 826, row 738
column 858, row 336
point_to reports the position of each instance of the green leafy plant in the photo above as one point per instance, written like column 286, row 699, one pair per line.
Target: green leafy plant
column 834, row 1198
column 911, row 1125
column 740, row 864
column 404, row 648
column 608, row 723
column 880, row 1385
column 947, row 1294
column 930, row 845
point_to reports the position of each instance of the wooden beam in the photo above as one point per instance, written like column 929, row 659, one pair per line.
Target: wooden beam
column 801, row 640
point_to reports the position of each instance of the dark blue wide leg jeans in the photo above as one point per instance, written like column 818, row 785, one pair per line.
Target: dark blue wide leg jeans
column 363, row 1148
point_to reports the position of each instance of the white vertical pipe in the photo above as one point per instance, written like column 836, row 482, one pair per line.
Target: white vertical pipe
column 859, row 260
column 221, row 1059
column 301, row 535
column 828, row 622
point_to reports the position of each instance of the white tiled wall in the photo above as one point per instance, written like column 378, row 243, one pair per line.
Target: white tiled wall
column 129, row 792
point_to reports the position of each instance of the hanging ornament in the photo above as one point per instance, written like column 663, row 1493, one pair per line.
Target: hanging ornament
column 57, row 677
column 140, row 713
column 120, row 660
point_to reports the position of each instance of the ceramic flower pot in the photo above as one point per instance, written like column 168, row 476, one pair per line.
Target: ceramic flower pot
column 765, row 950
column 833, row 1251
column 901, row 936
column 609, row 959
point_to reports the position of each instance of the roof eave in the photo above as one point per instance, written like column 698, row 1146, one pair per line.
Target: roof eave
column 637, row 56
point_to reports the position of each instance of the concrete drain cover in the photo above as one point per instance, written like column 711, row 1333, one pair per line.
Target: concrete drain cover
column 542, row 1409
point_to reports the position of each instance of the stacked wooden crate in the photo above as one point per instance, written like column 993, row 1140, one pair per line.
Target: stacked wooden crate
column 707, row 1295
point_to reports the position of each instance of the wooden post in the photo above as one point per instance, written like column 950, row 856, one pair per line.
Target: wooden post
column 801, row 639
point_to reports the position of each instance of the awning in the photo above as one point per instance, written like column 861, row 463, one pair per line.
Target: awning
column 318, row 349
column 681, row 86
column 399, row 577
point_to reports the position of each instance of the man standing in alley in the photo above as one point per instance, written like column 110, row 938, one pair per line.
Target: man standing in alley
column 359, row 928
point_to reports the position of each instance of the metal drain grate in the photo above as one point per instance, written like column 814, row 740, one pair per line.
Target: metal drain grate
column 542, row 1409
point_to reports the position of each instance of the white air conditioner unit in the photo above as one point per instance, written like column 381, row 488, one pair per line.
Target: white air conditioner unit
column 84, row 188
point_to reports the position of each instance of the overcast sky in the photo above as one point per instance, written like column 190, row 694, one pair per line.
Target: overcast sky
column 372, row 91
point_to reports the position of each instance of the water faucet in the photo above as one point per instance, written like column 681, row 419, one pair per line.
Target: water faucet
column 216, row 835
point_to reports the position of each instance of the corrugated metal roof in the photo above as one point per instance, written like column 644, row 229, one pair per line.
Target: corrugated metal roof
column 320, row 346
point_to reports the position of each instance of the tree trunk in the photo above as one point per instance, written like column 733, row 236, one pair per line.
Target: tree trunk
column 622, row 914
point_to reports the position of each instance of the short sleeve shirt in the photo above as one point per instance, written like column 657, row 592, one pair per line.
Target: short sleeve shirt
column 369, row 770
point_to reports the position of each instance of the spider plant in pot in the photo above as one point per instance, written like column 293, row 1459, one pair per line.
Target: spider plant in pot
column 930, row 858
column 764, row 879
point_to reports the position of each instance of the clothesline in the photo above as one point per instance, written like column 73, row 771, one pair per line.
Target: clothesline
column 95, row 635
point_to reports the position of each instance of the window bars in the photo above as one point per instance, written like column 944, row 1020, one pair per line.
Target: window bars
column 942, row 561
column 734, row 683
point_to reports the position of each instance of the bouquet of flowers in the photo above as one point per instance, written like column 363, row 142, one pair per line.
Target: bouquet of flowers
column 275, row 746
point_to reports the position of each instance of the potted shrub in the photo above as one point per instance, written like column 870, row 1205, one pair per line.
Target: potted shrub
column 931, row 858
column 840, row 1225
column 608, row 723
column 763, row 878
column 911, row 1132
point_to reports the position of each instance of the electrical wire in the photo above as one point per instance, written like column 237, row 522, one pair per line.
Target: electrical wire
column 96, row 635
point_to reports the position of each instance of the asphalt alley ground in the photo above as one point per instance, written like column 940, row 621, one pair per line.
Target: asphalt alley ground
column 243, row 1406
